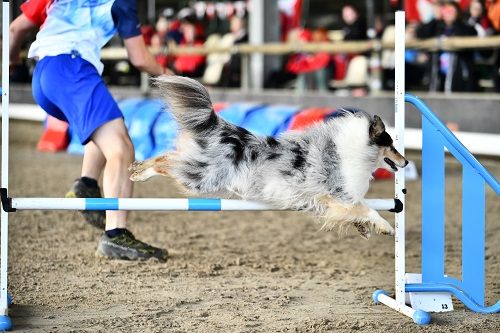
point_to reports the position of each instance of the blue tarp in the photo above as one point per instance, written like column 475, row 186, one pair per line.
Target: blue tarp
column 164, row 134
column 153, row 129
column 237, row 112
column 269, row 120
column 139, row 123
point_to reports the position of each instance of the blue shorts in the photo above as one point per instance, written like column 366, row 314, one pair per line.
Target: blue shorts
column 69, row 88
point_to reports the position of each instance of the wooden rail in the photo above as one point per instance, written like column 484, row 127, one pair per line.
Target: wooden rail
column 431, row 44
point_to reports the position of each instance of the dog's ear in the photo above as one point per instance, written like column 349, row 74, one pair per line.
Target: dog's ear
column 377, row 127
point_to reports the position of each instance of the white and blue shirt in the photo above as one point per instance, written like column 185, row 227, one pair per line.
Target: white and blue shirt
column 84, row 26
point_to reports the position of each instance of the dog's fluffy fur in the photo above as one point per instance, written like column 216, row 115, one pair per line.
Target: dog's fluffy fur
column 325, row 169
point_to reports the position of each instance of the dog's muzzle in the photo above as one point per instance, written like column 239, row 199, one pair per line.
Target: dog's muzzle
column 392, row 164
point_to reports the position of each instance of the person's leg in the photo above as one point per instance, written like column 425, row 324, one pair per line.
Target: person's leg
column 44, row 95
column 87, row 185
column 321, row 79
column 95, row 117
column 301, row 84
column 93, row 161
column 117, row 241
column 113, row 141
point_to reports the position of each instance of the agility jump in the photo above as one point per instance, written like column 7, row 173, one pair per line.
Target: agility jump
column 433, row 280
column 436, row 281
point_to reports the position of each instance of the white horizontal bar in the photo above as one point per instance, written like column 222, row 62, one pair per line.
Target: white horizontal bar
column 380, row 204
column 153, row 204
column 249, row 205
column 48, row 203
column 164, row 204
column 26, row 112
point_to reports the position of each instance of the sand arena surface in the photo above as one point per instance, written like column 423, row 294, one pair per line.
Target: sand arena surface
column 228, row 272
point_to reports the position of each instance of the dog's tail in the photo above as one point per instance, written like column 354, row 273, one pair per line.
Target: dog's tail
column 189, row 102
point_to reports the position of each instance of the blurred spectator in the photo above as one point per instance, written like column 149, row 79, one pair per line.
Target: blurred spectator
column 415, row 62
column 312, row 70
column 379, row 26
column 433, row 22
column 167, row 34
column 450, row 71
column 147, row 32
column 420, row 11
column 493, row 8
column 354, row 27
column 478, row 19
column 167, row 29
column 238, row 29
column 191, row 65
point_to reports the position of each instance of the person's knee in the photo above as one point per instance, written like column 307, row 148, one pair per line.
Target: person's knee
column 121, row 151
column 113, row 140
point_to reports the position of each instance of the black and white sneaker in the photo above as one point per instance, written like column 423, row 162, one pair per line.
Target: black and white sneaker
column 125, row 246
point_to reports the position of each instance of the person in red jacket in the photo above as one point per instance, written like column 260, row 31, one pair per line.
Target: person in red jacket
column 493, row 9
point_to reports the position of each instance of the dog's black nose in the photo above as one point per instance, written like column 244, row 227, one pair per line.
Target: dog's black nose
column 406, row 163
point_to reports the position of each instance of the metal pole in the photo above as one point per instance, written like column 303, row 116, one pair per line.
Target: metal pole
column 256, row 36
column 245, row 75
column 144, row 84
column 151, row 12
column 370, row 19
column 399, row 144
column 4, row 228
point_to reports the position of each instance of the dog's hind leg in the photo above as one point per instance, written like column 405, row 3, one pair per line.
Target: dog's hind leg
column 143, row 170
column 363, row 218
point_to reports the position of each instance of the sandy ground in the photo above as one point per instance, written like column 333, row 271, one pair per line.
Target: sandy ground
column 228, row 272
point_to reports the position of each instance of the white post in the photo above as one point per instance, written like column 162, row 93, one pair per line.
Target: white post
column 4, row 228
column 398, row 303
column 256, row 36
column 399, row 250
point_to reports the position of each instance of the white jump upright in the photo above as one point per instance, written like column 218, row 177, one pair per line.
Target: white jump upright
column 5, row 322
column 399, row 186
column 398, row 302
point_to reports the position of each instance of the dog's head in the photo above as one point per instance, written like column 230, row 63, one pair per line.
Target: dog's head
column 388, row 158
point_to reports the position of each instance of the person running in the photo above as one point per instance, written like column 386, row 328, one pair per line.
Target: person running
column 67, row 84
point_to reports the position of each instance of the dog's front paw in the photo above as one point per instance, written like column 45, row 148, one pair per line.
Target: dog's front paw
column 363, row 229
column 142, row 175
column 135, row 166
column 383, row 227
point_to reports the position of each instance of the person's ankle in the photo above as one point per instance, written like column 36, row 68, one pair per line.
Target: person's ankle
column 112, row 233
column 90, row 182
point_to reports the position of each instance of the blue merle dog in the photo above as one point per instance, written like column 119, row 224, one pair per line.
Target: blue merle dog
column 325, row 169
